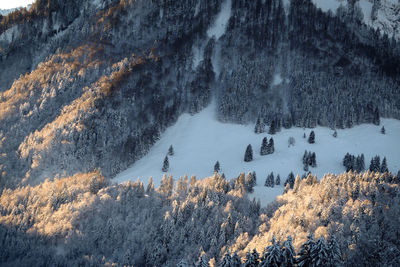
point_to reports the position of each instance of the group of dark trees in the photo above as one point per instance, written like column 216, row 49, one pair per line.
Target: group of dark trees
column 352, row 163
column 309, row 159
column 271, row 181
column 165, row 166
column 311, row 253
column 267, row 147
column 376, row 165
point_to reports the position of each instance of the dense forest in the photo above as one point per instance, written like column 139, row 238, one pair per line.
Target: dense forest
column 349, row 219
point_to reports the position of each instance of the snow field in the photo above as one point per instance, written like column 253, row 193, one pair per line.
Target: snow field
column 200, row 140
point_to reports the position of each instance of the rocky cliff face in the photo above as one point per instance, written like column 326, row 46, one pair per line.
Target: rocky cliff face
column 92, row 84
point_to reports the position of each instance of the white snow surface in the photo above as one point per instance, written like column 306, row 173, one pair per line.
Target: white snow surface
column 219, row 26
column 200, row 140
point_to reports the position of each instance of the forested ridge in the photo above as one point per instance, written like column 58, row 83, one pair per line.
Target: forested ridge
column 349, row 219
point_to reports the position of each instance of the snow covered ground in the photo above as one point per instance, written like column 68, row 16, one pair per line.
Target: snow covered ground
column 200, row 140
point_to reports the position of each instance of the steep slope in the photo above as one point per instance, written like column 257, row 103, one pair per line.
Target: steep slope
column 120, row 72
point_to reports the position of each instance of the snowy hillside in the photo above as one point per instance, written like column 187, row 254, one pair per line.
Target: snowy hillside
column 383, row 15
column 200, row 140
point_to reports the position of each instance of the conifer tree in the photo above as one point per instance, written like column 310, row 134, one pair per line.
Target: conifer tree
column 235, row 261
column 150, row 186
column 290, row 180
column 384, row 167
column 278, row 180
column 313, row 160
column 165, row 167
column 288, row 253
column 249, row 182
column 171, row 151
column 311, row 138
column 334, row 254
column 271, row 147
column 319, row 253
column 383, row 131
column 334, row 134
column 216, row 167
column 264, row 147
column 272, row 127
column 254, row 178
column 304, row 255
column 248, row 156
column 272, row 254
column 226, row 260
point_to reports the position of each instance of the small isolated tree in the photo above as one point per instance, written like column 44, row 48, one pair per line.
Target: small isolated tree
column 278, row 180
column 165, row 166
column 216, row 167
column 291, row 141
column 264, row 147
column 334, row 134
column 248, row 155
column 383, row 131
column 311, row 138
column 304, row 135
column 171, row 151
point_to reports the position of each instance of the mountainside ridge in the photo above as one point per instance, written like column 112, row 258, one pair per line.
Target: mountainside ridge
column 123, row 71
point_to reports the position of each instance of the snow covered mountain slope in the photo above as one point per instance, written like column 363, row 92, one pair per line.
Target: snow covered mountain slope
column 200, row 140
column 383, row 14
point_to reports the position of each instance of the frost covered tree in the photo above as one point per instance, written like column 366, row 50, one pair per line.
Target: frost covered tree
column 320, row 253
column 216, row 166
column 375, row 165
column 383, row 131
column 311, row 138
column 335, row 134
column 171, row 151
column 288, row 253
column 334, row 252
column 249, row 182
column 264, row 147
column 202, row 261
column 251, row 259
column 272, row 255
column 304, row 257
column 270, row 181
column 248, row 155
column 150, row 186
column 165, row 166
column 260, row 126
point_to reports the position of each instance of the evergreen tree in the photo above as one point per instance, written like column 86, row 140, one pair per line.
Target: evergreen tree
column 375, row 165
column 335, row 134
column 334, row 254
column 270, row 181
column 278, row 180
column 361, row 165
column 383, row 131
column 170, row 151
column 165, row 167
column 272, row 255
column 248, row 156
column 290, row 180
column 313, row 160
column 384, row 167
column 150, row 186
column 288, row 253
column 319, row 253
column 250, row 261
column 291, row 141
column 216, row 167
column 235, row 261
column 226, row 260
column 202, row 262
column 272, row 127
column 254, row 178
column 270, row 147
column 260, row 126
column 376, row 119
column 249, row 182
column 264, row 147
column 311, row 138
column 304, row 255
